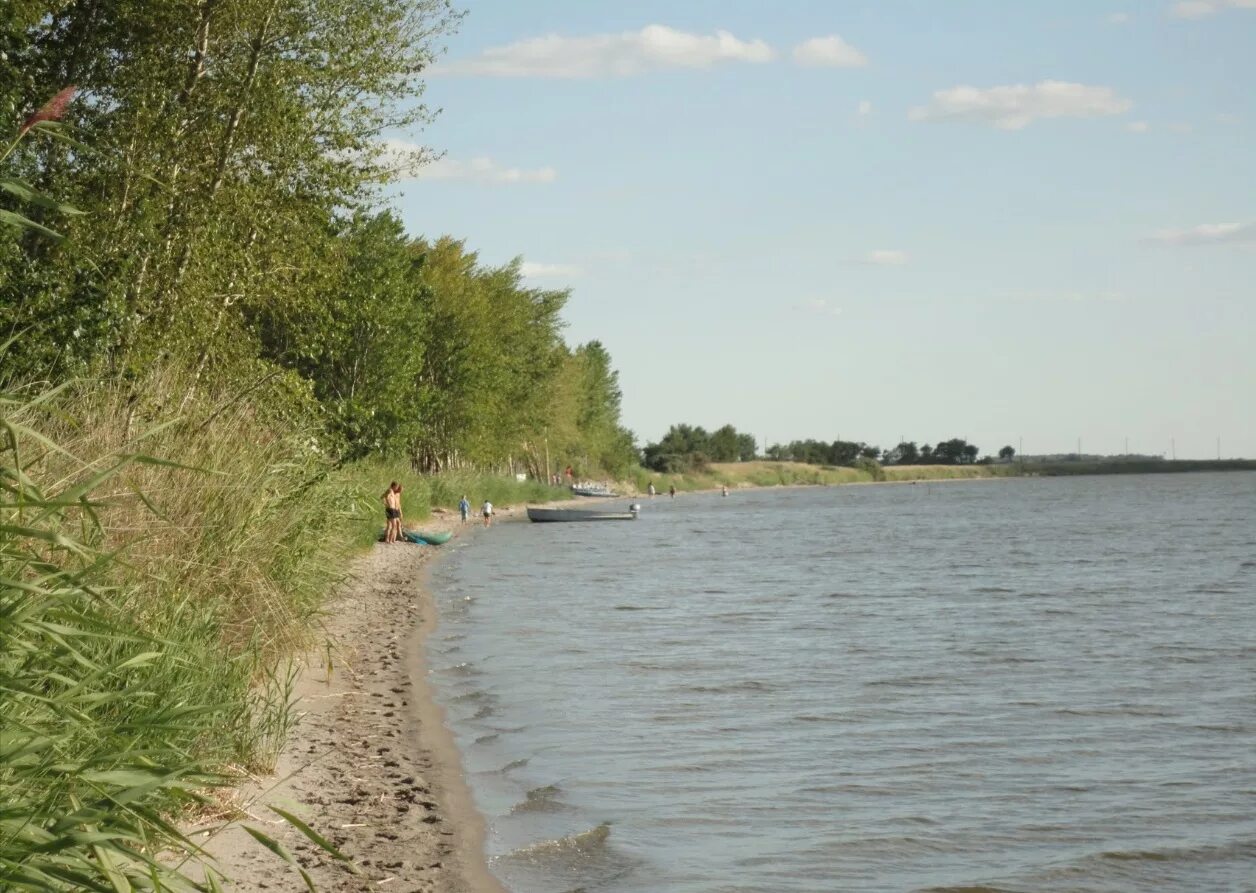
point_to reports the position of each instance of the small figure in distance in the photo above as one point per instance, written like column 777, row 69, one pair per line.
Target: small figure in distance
column 392, row 512
column 487, row 511
column 724, row 490
column 651, row 490
column 464, row 508
column 671, row 491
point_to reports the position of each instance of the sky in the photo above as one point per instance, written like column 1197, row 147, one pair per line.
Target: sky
column 1026, row 223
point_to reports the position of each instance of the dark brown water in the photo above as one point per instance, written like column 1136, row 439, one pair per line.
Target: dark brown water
column 1026, row 685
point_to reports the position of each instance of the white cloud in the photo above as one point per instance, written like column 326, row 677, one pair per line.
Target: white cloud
column 1198, row 9
column 1209, row 234
column 1138, row 127
column 818, row 306
column 1119, row 18
column 828, row 52
column 653, row 48
column 410, row 163
column 1015, row 106
column 532, row 270
column 886, row 257
column 865, row 108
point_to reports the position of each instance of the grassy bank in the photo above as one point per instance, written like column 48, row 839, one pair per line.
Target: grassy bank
column 777, row 474
column 156, row 577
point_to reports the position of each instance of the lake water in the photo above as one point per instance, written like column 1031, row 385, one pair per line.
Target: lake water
column 1023, row 685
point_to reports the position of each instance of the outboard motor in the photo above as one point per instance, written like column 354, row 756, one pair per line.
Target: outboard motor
column 635, row 508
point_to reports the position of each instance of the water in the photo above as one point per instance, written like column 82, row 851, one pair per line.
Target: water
column 1028, row 685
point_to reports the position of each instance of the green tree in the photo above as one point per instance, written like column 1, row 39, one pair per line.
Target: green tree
column 682, row 448
column 226, row 136
column 360, row 342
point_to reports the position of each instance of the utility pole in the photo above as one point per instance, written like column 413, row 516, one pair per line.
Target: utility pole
column 1079, row 448
column 1173, row 448
column 1127, row 446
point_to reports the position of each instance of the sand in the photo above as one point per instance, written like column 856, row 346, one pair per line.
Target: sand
column 370, row 763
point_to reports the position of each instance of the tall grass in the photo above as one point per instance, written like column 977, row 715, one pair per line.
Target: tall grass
column 152, row 577
column 99, row 717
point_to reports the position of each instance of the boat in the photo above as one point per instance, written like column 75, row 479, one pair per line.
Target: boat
column 552, row 515
column 428, row 539
column 599, row 491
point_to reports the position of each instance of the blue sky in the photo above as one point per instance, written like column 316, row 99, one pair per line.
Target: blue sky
column 992, row 220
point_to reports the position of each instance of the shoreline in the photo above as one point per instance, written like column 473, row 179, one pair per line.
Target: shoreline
column 369, row 764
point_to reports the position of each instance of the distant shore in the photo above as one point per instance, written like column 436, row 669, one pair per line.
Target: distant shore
column 764, row 473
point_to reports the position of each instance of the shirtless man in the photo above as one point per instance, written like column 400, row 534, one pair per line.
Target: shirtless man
column 392, row 512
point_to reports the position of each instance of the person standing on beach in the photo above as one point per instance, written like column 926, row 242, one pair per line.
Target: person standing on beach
column 651, row 490
column 487, row 511
column 464, row 507
column 671, row 491
column 392, row 512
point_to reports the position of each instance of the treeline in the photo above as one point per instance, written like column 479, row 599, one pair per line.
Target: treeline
column 217, row 185
column 691, row 448
column 216, row 347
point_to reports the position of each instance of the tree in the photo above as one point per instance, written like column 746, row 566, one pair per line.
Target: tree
column 723, row 446
column 682, row 448
column 1006, row 453
column 955, row 451
column 906, row 453
column 226, row 139
column 360, row 344
column 747, row 449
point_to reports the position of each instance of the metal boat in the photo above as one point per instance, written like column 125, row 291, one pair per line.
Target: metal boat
column 554, row 515
column 600, row 491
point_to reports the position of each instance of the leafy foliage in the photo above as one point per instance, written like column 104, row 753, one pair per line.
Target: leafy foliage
column 690, row 448
column 228, row 155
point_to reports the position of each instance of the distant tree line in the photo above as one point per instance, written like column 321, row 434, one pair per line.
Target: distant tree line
column 691, row 447
column 688, row 447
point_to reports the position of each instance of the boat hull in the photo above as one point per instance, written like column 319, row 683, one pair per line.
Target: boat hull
column 436, row 539
column 544, row 516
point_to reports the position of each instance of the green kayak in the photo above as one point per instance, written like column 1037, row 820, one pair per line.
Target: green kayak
column 428, row 539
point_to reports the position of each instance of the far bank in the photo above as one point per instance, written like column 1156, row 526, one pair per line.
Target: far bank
column 765, row 473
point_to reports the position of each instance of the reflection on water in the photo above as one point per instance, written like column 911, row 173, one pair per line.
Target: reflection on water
column 1029, row 685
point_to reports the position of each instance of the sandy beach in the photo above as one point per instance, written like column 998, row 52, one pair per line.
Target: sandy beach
column 369, row 764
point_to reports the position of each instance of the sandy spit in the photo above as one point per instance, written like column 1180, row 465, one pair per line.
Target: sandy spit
column 370, row 764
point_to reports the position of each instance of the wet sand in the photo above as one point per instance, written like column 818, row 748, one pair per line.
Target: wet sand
column 370, row 764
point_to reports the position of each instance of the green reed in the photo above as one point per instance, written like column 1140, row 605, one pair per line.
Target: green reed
column 152, row 576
